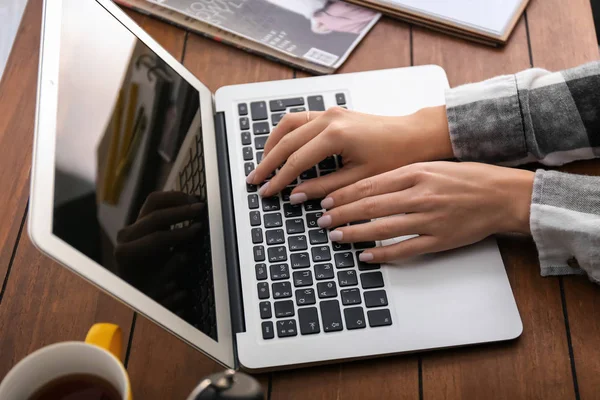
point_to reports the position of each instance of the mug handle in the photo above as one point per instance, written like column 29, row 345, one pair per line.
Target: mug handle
column 106, row 336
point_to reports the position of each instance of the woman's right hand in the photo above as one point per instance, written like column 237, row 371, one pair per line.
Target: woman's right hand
column 368, row 144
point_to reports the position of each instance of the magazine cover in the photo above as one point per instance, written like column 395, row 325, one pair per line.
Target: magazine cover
column 323, row 32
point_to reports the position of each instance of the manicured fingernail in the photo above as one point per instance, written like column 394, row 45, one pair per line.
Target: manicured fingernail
column 327, row 203
column 365, row 257
column 336, row 235
column 324, row 221
column 297, row 198
column 263, row 189
column 250, row 177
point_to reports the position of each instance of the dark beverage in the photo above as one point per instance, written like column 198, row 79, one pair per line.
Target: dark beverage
column 77, row 387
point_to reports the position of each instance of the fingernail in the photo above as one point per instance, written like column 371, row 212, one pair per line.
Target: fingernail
column 327, row 203
column 365, row 257
column 263, row 189
column 297, row 198
column 336, row 235
column 250, row 177
column 324, row 221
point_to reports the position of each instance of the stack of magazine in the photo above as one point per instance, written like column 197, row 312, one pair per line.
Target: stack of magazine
column 314, row 35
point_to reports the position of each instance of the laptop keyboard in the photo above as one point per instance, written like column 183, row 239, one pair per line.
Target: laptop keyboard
column 306, row 284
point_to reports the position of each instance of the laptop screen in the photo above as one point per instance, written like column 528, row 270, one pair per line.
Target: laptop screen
column 130, row 185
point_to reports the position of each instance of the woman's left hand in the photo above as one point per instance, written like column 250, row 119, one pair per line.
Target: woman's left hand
column 447, row 204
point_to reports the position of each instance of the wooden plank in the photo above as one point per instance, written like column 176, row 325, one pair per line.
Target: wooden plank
column 537, row 364
column 562, row 40
column 17, row 102
column 386, row 46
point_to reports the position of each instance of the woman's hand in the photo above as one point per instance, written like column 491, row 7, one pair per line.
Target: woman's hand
column 368, row 144
column 447, row 204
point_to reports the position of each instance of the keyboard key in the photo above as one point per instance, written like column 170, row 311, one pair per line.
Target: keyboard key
column 315, row 103
column 285, row 193
column 363, row 266
column 303, row 278
column 259, row 253
column 347, row 278
column 281, row 105
column 275, row 236
column 313, row 205
column 263, row 290
column 323, row 173
column 265, row 309
column 344, row 260
column 270, row 204
column 317, row 236
column 277, row 254
column 293, row 226
column 261, row 272
column 350, row 296
column 362, row 221
column 248, row 167
column 244, row 124
column 340, row 161
column 286, row 328
column 279, row 272
column 355, row 318
column 305, row 297
column 324, row 271
column 260, row 128
column 284, row 309
column 251, row 188
column 254, row 218
column 242, row 109
column 341, row 246
column 299, row 260
column 371, row 280
column 379, row 317
column 376, row 298
column 248, row 153
column 246, row 138
column 331, row 317
column 311, row 219
column 292, row 210
column 364, row 245
column 259, row 157
column 340, row 99
column 257, row 236
column 297, row 243
column 253, row 202
column 309, row 174
column 326, row 289
column 259, row 142
column 276, row 118
column 320, row 253
column 328, row 163
column 258, row 110
column 267, row 330
column 309, row 321
column 297, row 109
column 282, row 290
column 272, row 220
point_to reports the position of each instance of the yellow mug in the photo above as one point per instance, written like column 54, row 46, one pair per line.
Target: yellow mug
column 98, row 356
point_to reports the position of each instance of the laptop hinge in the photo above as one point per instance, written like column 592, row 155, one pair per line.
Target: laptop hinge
column 231, row 249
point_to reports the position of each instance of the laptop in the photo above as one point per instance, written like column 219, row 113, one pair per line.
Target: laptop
column 138, row 186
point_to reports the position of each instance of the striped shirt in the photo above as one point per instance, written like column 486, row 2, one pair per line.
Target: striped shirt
column 548, row 117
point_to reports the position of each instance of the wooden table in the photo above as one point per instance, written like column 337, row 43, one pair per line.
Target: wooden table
column 557, row 357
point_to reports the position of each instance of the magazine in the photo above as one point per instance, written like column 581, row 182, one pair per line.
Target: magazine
column 314, row 35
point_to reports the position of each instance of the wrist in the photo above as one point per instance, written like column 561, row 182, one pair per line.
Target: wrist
column 518, row 193
column 429, row 128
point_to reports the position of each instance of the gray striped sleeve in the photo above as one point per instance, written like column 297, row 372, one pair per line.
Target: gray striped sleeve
column 565, row 223
column 535, row 115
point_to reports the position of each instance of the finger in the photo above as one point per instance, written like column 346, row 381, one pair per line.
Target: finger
column 160, row 200
column 161, row 219
column 405, row 249
column 289, row 123
column 388, row 182
column 381, row 229
column 304, row 158
column 286, row 147
column 368, row 208
column 319, row 187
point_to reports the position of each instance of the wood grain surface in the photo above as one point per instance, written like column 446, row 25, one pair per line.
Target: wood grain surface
column 42, row 302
